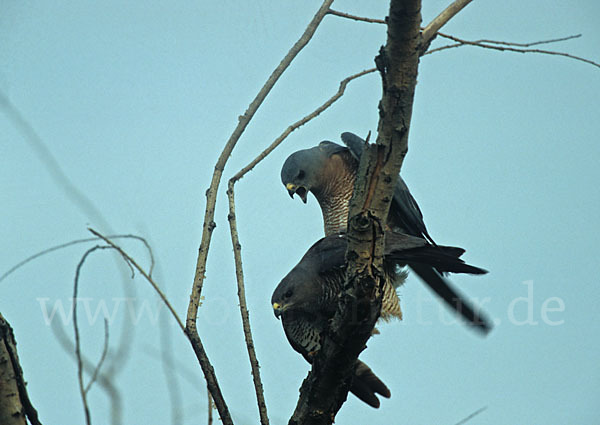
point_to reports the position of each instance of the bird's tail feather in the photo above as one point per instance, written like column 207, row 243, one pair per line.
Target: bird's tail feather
column 451, row 297
column 366, row 385
column 443, row 258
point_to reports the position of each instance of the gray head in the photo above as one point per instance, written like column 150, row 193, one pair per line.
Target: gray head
column 305, row 287
column 302, row 171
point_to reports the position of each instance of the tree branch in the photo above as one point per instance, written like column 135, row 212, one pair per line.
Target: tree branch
column 209, row 224
column 326, row 387
column 355, row 18
column 442, row 19
column 510, row 43
column 237, row 248
column 115, row 399
column 15, row 405
column 82, row 390
column 300, row 123
column 506, row 46
column 146, row 276
column 211, row 193
column 236, row 242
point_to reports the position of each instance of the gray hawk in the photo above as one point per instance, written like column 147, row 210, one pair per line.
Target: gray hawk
column 307, row 296
column 328, row 171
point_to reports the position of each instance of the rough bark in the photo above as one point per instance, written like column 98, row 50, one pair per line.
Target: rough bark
column 326, row 387
column 15, row 406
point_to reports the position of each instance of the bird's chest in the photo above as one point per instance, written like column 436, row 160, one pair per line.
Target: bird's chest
column 304, row 333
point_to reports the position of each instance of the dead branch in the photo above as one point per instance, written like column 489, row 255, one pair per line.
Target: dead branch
column 442, row 19
column 236, row 242
column 78, row 197
column 210, row 407
column 300, row 123
column 510, row 43
column 80, row 200
column 326, row 387
column 209, row 224
column 355, row 18
column 15, row 406
column 471, row 416
column 102, row 358
column 82, row 390
column 506, row 46
column 146, row 275
column 116, row 404
column 484, row 43
column 258, row 387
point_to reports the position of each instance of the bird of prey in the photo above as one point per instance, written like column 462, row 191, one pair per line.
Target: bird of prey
column 307, row 296
column 329, row 171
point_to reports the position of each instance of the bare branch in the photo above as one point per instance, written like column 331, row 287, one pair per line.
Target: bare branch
column 505, row 46
column 15, row 405
column 102, row 358
column 210, row 407
column 116, row 404
column 237, row 248
column 82, row 391
column 235, row 236
column 509, row 43
column 299, row 123
column 75, row 242
column 471, row 416
column 209, row 224
column 354, row 17
column 78, row 197
column 155, row 286
column 434, row 26
column 326, row 387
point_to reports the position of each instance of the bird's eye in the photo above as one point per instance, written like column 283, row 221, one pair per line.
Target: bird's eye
column 288, row 294
column 300, row 174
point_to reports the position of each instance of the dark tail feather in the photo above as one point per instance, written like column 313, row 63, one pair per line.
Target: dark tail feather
column 444, row 259
column 451, row 297
column 366, row 384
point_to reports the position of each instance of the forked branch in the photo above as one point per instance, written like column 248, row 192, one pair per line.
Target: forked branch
column 209, row 224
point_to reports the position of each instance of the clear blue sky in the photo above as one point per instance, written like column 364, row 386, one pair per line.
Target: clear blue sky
column 136, row 99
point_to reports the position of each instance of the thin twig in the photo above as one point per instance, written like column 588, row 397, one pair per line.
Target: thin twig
column 82, row 391
column 81, row 201
column 258, row 387
column 131, row 261
column 167, row 363
column 209, row 224
column 78, row 197
column 434, row 26
column 299, row 123
column 102, row 357
column 75, row 242
column 210, row 407
column 354, row 17
column 506, row 47
column 116, row 403
column 510, row 43
column 471, row 416
column 211, row 193
column 237, row 246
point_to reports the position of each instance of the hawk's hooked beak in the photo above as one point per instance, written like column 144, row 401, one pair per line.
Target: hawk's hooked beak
column 277, row 310
column 300, row 190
